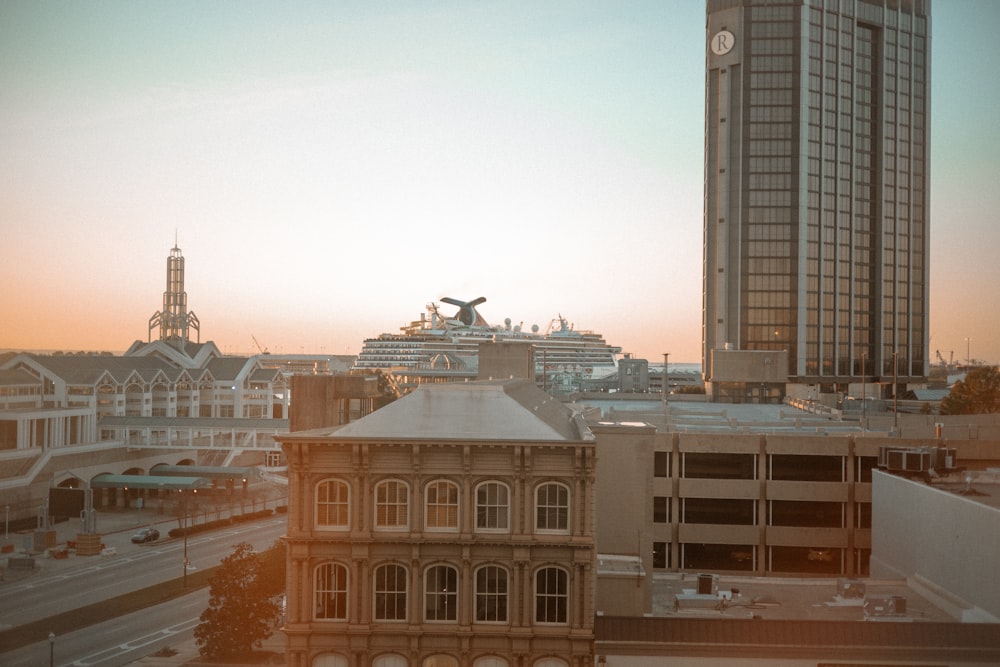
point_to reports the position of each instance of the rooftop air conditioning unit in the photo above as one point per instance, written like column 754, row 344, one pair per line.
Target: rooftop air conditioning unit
column 851, row 589
column 881, row 607
column 708, row 584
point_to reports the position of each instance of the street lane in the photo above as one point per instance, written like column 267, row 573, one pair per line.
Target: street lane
column 120, row 641
column 64, row 586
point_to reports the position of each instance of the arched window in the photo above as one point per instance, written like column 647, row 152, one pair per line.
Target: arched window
column 390, row 660
column 333, row 504
column 493, row 506
column 441, row 505
column 330, row 592
column 441, row 593
column 392, row 505
column 491, row 594
column 390, row 592
column 550, row 662
column 551, row 595
column 329, row 660
column 552, row 508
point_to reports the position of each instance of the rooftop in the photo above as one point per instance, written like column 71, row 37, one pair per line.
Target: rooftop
column 494, row 410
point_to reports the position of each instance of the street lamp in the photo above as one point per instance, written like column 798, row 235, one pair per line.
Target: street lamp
column 666, row 376
column 184, row 506
column 864, row 389
column 895, row 394
column 52, row 649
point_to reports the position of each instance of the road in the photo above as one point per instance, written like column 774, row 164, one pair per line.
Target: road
column 62, row 586
column 120, row 641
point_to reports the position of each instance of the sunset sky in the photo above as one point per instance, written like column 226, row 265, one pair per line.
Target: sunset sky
column 330, row 167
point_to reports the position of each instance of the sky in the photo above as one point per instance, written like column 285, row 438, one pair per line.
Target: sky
column 329, row 168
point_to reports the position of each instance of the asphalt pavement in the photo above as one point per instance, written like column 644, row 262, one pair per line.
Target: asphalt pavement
column 116, row 528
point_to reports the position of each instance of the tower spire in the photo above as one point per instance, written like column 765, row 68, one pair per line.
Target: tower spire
column 174, row 320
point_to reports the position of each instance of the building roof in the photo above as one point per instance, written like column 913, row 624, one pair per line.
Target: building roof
column 756, row 638
column 16, row 377
column 77, row 369
column 208, row 472
column 227, row 368
column 760, row 619
column 108, row 481
column 486, row 410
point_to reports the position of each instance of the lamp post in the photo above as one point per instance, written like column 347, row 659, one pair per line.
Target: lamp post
column 864, row 399
column 666, row 376
column 183, row 493
column 895, row 393
column 184, row 506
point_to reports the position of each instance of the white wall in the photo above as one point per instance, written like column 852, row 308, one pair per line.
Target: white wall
column 928, row 534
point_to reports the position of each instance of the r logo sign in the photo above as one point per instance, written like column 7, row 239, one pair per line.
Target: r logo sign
column 723, row 42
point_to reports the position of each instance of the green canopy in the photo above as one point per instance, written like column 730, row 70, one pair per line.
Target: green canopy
column 106, row 481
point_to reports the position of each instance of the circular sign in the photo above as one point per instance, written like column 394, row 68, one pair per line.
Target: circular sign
column 723, row 42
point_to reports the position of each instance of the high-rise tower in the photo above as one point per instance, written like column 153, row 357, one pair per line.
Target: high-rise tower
column 817, row 139
column 174, row 321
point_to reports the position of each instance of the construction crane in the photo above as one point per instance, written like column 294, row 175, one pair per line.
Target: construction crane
column 951, row 361
column 260, row 348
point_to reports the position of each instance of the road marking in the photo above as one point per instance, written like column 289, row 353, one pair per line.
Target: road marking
column 137, row 643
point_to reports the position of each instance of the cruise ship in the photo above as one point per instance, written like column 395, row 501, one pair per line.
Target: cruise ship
column 441, row 348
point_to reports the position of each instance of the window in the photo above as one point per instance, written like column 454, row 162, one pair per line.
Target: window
column 551, row 595
column 441, row 593
column 552, row 507
column 491, row 594
column 330, row 591
column 441, row 506
column 550, row 662
column 661, row 509
column 329, row 660
column 391, row 504
column 661, row 464
column 492, row 506
column 332, row 504
column 661, row 555
column 390, row 593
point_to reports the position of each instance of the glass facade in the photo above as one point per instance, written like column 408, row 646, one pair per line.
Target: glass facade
column 816, row 186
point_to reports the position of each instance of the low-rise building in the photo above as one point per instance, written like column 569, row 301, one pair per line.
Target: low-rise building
column 455, row 526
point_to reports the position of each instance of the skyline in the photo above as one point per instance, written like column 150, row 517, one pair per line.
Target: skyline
column 327, row 172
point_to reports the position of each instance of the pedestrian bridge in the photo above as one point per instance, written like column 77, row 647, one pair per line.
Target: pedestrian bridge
column 193, row 432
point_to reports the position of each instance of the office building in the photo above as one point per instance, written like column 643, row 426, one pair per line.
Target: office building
column 817, row 137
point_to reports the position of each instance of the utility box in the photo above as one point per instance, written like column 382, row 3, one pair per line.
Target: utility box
column 44, row 539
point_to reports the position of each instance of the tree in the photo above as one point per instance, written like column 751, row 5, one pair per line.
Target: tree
column 978, row 393
column 271, row 576
column 243, row 606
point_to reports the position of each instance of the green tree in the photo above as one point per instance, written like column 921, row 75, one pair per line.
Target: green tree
column 243, row 606
column 978, row 393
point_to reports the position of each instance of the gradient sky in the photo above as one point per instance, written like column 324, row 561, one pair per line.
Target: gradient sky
column 328, row 168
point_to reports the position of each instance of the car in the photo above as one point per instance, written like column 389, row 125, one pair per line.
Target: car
column 145, row 535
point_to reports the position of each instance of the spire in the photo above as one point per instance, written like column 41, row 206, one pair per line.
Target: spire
column 174, row 320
